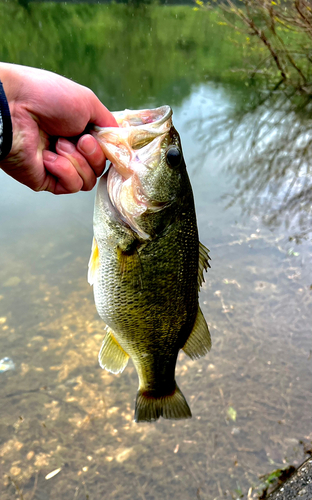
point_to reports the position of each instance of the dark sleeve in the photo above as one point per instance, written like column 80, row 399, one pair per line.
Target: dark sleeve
column 6, row 133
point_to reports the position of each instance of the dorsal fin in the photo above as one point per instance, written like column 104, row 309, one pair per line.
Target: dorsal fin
column 199, row 341
column 203, row 263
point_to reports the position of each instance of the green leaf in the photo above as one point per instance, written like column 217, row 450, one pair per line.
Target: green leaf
column 232, row 413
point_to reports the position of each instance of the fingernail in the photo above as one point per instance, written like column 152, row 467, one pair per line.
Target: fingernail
column 65, row 146
column 87, row 145
column 49, row 156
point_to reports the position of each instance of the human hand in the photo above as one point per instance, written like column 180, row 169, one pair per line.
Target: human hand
column 45, row 109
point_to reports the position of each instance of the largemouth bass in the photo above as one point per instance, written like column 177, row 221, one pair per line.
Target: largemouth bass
column 147, row 263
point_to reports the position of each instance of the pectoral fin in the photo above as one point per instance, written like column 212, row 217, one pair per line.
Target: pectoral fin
column 112, row 357
column 94, row 262
column 199, row 341
column 203, row 263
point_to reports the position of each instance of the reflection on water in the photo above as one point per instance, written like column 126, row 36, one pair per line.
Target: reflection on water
column 250, row 397
column 268, row 143
column 131, row 57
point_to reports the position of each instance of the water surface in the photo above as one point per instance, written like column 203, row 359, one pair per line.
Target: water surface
column 251, row 396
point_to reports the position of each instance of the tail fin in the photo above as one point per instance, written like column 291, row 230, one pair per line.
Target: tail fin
column 172, row 406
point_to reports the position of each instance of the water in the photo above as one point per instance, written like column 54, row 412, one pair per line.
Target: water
column 251, row 396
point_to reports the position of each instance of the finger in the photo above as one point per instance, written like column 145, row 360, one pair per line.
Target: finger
column 69, row 151
column 63, row 177
column 99, row 113
column 93, row 153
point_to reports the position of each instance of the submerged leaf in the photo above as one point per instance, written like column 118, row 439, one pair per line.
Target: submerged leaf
column 232, row 413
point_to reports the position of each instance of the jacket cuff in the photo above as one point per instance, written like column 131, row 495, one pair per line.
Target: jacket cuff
column 6, row 132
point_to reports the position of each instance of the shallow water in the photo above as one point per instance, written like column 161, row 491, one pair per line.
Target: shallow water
column 250, row 397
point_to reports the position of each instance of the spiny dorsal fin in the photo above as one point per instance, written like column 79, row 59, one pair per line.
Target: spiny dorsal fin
column 199, row 341
column 94, row 262
column 112, row 357
column 203, row 263
column 148, row 408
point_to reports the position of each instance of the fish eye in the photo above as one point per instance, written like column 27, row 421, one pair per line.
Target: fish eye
column 173, row 157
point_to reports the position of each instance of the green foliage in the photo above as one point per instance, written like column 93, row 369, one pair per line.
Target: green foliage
column 274, row 479
column 131, row 56
column 282, row 33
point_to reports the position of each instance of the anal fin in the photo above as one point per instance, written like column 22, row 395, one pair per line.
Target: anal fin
column 199, row 341
column 112, row 357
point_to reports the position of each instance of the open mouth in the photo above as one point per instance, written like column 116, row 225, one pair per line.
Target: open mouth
column 137, row 128
column 134, row 148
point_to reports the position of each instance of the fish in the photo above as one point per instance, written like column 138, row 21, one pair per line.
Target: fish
column 147, row 264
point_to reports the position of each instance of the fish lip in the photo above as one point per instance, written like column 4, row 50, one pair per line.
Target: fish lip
column 125, row 116
column 165, row 113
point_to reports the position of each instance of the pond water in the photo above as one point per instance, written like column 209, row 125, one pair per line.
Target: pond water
column 251, row 396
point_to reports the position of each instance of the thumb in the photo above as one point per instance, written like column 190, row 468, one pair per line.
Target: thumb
column 100, row 115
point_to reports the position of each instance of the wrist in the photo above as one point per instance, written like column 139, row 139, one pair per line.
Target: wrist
column 6, row 132
column 10, row 80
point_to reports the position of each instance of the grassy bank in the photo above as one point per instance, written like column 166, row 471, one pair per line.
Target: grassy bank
column 126, row 54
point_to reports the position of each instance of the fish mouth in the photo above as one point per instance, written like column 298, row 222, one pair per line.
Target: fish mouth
column 125, row 146
column 133, row 148
column 143, row 117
